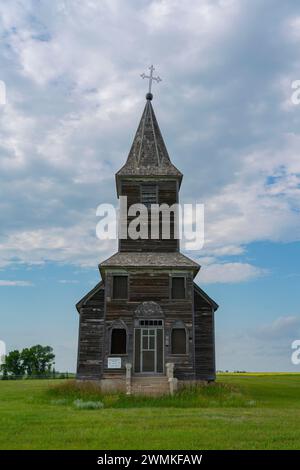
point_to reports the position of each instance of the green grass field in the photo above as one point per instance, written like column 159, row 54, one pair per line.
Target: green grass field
column 244, row 411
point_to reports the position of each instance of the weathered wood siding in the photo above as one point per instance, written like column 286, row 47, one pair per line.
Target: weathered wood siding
column 96, row 325
column 91, row 338
column 204, row 339
column 153, row 286
column 167, row 194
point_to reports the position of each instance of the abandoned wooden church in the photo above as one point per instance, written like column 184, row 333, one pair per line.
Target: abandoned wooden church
column 146, row 326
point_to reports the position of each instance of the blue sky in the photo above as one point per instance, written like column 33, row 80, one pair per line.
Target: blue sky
column 74, row 100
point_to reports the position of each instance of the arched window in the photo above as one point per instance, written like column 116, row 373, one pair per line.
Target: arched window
column 118, row 343
column 178, row 341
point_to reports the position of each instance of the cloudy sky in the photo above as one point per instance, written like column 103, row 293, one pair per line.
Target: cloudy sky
column 74, row 98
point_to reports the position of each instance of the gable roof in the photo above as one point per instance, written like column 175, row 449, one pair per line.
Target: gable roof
column 148, row 155
column 206, row 297
column 90, row 294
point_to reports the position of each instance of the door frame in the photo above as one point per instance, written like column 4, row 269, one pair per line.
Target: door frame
column 154, row 327
column 142, row 350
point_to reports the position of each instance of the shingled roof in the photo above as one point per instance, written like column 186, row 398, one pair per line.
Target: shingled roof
column 152, row 260
column 148, row 155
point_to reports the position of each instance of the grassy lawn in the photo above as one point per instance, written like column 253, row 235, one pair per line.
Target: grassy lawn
column 244, row 411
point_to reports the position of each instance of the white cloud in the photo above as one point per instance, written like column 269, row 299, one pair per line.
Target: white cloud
column 7, row 283
column 229, row 273
column 266, row 347
column 281, row 327
column 16, row 132
column 292, row 28
column 76, row 244
column 261, row 202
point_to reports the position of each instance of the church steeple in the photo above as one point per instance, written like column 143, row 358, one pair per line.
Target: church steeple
column 149, row 177
column 148, row 156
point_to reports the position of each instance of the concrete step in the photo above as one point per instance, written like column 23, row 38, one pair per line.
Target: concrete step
column 152, row 380
column 150, row 385
column 107, row 375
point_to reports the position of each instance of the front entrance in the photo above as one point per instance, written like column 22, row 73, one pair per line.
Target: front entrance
column 148, row 347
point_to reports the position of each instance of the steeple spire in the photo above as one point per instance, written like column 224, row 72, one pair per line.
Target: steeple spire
column 148, row 156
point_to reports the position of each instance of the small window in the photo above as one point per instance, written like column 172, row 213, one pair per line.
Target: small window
column 120, row 287
column 150, row 323
column 118, row 341
column 178, row 341
column 148, row 195
column 178, row 288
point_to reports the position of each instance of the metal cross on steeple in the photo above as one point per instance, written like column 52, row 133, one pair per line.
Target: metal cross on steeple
column 151, row 78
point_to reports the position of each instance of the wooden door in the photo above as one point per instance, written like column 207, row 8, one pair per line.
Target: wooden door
column 148, row 350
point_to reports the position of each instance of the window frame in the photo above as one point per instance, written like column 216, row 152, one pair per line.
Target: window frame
column 186, row 341
column 110, row 342
column 171, row 287
column 112, row 287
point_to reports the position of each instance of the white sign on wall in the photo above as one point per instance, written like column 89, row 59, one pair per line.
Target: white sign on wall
column 114, row 363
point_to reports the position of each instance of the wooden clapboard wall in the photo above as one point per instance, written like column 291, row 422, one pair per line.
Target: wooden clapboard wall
column 167, row 192
column 91, row 337
column 153, row 286
column 204, row 338
column 95, row 327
